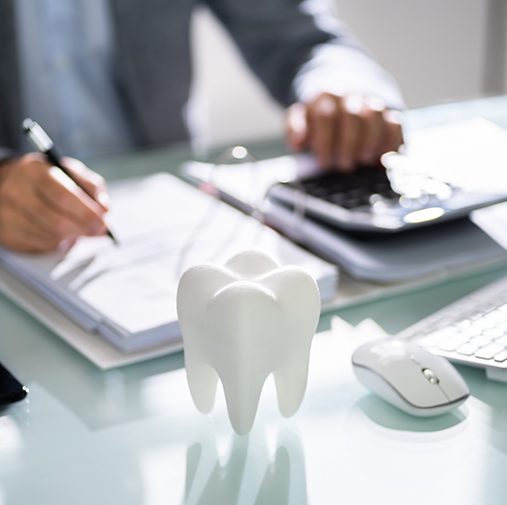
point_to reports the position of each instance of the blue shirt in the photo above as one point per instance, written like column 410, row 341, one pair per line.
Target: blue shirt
column 67, row 76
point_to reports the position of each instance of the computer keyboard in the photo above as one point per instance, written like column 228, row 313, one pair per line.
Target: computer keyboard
column 471, row 331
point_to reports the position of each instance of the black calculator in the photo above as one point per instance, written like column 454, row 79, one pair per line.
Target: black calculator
column 382, row 198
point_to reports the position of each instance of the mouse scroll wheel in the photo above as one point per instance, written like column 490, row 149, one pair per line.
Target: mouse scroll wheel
column 430, row 375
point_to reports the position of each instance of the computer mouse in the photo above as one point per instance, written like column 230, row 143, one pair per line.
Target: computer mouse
column 409, row 377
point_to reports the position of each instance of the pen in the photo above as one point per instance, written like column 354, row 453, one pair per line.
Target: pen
column 41, row 141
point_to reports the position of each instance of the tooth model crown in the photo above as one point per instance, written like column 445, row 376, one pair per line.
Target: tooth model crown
column 242, row 322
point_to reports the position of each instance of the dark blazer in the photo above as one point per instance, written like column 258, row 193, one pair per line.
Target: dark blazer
column 152, row 65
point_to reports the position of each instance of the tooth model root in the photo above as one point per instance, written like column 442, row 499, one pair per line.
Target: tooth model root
column 242, row 398
column 242, row 322
column 290, row 385
column 202, row 381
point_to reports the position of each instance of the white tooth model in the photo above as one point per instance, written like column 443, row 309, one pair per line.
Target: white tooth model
column 242, row 322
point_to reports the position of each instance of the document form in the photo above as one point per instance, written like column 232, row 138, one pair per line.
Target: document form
column 127, row 292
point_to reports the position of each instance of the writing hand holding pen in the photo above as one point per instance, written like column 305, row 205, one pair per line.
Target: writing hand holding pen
column 41, row 207
column 41, row 141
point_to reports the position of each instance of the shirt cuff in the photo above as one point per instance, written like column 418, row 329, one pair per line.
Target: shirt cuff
column 343, row 70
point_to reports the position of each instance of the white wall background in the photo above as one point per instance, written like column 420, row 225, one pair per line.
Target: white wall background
column 437, row 50
column 233, row 102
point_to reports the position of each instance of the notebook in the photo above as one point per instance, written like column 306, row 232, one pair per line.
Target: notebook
column 126, row 294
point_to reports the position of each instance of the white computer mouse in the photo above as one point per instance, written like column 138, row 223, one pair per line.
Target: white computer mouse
column 410, row 378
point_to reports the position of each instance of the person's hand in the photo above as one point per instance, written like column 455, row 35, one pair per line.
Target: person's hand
column 40, row 206
column 344, row 131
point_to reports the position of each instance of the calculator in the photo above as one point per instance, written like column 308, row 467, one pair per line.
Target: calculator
column 386, row 198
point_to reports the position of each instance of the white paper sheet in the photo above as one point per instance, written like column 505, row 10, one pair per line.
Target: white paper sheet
column 163, row 226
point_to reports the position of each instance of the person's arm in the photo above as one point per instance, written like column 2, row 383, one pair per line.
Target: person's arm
column 40, row 207
column 305, row 56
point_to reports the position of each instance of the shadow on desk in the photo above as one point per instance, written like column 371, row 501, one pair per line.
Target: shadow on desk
column 492, row 400
column 210, row 480
column 388, row 416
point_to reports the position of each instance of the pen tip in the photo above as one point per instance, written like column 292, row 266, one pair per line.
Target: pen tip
column 112, row 237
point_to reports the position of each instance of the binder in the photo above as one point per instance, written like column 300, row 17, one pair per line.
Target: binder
column 126, row 294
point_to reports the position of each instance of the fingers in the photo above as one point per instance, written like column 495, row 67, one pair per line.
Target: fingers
column 92, row 183
column 23, row 234
column 349, row 133
column 372, row 144
column 393, row 138
column 40, row 206
column 296, row 126
column 66, row 198
column 323, row 129
column 50, row 219
column 345, row 131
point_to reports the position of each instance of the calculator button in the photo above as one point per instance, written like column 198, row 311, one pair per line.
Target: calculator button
column 337, row 199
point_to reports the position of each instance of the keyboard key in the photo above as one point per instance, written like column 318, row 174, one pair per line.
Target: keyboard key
column 471, row 331
column 435, row 338
column 497, row 316
column 502, row 325
column 502, row 340
column 454, row 342
column 501, row 356
column 493, row 333
column 480, row 341
column 489, row 351
column 464, row 324
column 483, row 324
column 467, row 349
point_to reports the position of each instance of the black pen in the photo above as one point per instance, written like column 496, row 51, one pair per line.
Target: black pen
column 41, row 141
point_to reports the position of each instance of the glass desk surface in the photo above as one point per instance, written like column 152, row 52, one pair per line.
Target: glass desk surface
column 133, row 436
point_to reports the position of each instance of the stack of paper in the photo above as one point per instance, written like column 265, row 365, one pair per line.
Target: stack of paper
column 127, row 293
